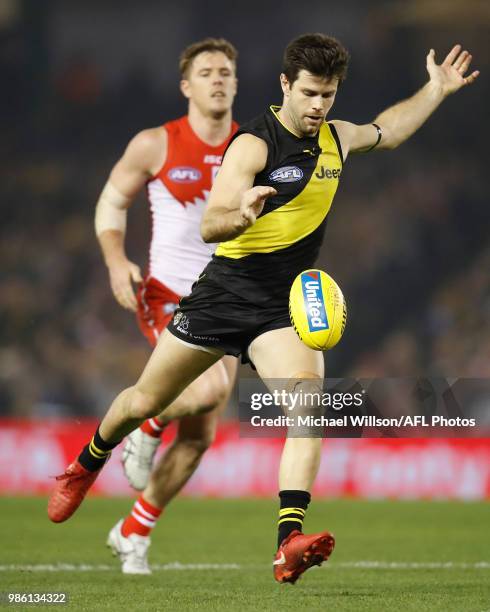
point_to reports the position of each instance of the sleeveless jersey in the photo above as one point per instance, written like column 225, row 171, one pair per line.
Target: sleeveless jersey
column 178, row 194
column 261, row 264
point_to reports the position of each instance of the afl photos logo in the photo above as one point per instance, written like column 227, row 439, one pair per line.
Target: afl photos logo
column 184, row 174
column 286, row 174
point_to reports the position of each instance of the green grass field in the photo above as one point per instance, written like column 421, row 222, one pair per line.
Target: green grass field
column 417, row 538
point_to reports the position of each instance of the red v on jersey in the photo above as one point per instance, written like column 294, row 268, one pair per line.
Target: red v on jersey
column 191, row 164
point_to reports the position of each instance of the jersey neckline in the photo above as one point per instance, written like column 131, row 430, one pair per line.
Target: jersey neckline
column 233, row 128
column 274, row 108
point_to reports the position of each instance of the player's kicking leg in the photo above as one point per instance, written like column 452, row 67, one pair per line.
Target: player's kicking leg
column 279, row 354
column 209, row 391
column 130, row 537
column 172, row 366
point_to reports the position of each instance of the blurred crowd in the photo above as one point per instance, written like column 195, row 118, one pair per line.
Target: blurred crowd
column 407, row 239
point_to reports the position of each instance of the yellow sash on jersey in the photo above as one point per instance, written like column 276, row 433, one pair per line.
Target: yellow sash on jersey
column 297, row 218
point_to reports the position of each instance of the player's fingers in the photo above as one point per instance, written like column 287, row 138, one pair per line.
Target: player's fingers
column 473, row 76
column 132, row 304
column 135, row 272
column 123, row 292
column 128, row 300
column 120, row 299
column 264, row 192
column 262, row 197
column 465, row 65
column 460, row 59
column 452, row 55
column 431, row 58
column 249, row 215
column 129, row 297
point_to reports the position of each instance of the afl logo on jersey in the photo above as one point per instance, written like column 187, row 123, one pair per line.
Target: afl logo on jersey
column 286, row 174
column 184, row 174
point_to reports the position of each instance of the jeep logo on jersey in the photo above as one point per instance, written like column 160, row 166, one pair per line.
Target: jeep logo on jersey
column 286, row 174
column 327, row 173
column 184, row 174
column 313, row 297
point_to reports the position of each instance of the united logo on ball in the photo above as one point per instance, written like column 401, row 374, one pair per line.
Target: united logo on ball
column 317, row 309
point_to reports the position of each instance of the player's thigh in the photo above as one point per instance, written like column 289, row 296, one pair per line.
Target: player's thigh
column 172, row 367
column 279, row 353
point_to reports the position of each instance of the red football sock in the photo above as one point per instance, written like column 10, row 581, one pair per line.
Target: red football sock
column 153, row 427
column 142, row 519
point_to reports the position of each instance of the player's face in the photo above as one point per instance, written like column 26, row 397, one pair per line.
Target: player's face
column 211, row 83
column 308, row 100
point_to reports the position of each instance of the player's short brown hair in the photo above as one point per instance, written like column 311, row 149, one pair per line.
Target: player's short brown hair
column 208, row 44
column 321, row 55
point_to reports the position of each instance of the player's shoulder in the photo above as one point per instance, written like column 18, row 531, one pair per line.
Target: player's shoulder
column 341, row 126
column 260, row 126
column 150, row 139
column 344, row 129
column 148, row 149
column 247, row 151
column 253, row 136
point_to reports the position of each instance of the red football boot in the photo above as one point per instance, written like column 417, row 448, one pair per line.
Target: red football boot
column 299, row 552
column 70, row 489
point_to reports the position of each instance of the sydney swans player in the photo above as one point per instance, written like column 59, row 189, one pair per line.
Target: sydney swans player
column 177, row 163
column 269, row 231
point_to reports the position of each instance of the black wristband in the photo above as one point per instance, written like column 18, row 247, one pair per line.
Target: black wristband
column 380, row 134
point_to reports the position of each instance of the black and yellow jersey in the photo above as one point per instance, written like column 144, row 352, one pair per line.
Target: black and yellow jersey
column 260, row 264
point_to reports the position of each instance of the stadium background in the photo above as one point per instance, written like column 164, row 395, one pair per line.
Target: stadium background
column 408, row 236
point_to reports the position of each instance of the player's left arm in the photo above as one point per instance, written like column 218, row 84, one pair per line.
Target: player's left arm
column 397, row 123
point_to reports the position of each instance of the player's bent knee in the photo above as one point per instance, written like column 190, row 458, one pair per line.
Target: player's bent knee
column 197, row 434
column 209, row 395
column 197, row 446
column 144, row 405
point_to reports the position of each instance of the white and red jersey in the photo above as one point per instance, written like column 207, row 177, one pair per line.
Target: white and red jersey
column 178, row 194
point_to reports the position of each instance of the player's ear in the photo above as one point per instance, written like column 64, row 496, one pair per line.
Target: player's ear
column 185, row 88
column 285, row 85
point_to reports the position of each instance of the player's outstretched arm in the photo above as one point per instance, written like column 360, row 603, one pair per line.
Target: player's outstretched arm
column 233, row 203
column 397, row 123
column 143, row 157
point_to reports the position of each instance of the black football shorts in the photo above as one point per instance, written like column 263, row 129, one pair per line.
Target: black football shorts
column 213, row 317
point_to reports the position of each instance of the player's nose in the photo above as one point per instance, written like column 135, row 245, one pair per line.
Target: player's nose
column 318, row 104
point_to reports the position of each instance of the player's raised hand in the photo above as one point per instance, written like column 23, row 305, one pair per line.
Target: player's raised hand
column 450, row 75
column 122, row 274
column 252, row 203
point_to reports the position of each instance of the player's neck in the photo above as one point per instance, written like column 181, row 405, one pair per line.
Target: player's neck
column 212, row 131
column 286, row 120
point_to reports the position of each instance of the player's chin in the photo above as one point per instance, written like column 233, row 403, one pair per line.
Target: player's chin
column 312, row 125
column 219, row 111
column 310, row 130
column 220, row 102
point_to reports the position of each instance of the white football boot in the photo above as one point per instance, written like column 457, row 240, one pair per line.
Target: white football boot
column 137, row 458
column 132, row 551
